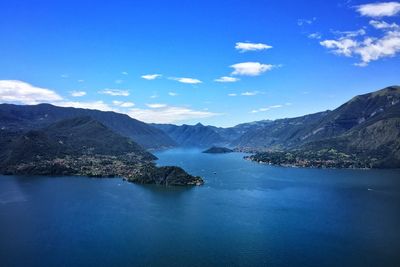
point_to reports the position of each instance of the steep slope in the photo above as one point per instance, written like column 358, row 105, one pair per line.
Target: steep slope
column 362, row 133
column 379, row 142
column 360, row 111
column 354, row 115
column 84, row 146
column 76, row 136
column 18, row 117
column 279, row 134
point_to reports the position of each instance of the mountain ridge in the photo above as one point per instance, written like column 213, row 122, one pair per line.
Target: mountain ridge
column 83, row 146
column 28, row 117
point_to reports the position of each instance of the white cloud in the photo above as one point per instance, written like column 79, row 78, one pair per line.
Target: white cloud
column 168, row 114
column 315, row 35
column 380, row 25
column 244, row 47
column 99, row 105
column 151, row 76
column 341, row 46
column 81, row 81
column 250, row 93
column 250, row 68
column 123, row 104
column 226, row 79
column 78, row 93
column 114, row 92
column 349, row 34
column 124, row 73
column 266, row 108
column 368, row 48
column 172, row 94
column 232, row 94
column 301, row 22
column 64, row 76
column 156, row 105
column 379, row 9
column 186, row 80
column 14, row 91
column 154, row 96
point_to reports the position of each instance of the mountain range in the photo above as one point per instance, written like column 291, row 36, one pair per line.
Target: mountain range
column 83, row 146
column 28, row 117
column 366, row 126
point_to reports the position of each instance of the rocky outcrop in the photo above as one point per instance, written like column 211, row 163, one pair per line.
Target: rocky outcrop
column 167, row 175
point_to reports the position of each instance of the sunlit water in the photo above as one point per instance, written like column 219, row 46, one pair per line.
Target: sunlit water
column 246, row 214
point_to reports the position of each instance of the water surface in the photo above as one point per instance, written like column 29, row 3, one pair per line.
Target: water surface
column 246, row 214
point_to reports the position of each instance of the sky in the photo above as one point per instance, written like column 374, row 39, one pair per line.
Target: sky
column 216, row 62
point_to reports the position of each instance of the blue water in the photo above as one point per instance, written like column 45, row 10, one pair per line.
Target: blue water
column 245, row 215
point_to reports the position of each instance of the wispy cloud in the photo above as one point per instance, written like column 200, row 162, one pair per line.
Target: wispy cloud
column 248, row 93
column 123, row 104
column 156, row 105
column 64, row 76
column 168, row 114
column 185, row 80
column 172, row 94
column 124, row 73
column 349, row 34
column 119, row 81
column 151, row 76
column 226, row 79
column 114, row 92
column 19, row 92
column 81, row 81
column 385, row 9
column 266, row 108
column 247, row 46
column 250, row 68
column 301, row 22
column 77, row 93
column 232, row 94
column 315, row 35
column 383, row 25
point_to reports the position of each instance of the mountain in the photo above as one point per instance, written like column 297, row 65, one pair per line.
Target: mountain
column 363, row 132
column 77, row 136
column 83, row 146
column 279, row 134
column 193, row 135
column 200, row 135
column 351, row 117
column 28, row 117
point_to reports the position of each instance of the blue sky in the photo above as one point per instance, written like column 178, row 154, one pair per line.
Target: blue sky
column 281, row 58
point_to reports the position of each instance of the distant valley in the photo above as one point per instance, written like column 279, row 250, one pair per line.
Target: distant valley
column 365, row 131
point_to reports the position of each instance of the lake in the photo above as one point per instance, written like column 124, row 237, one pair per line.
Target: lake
column 246, row 214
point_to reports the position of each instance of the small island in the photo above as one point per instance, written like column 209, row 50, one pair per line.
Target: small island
column 218, row 150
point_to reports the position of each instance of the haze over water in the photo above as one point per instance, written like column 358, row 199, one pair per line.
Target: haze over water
column 246, row 214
